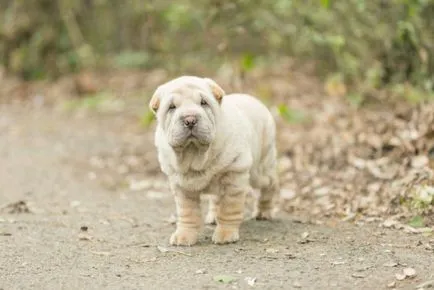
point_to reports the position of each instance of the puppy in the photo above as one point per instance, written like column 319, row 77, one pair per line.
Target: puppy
column 216, row 144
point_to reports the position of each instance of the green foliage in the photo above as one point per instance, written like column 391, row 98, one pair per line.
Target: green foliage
column 247, row 62
column 291, row 115
column 226, row 279
column 368, row 42
column 411, row 94
column 325, row 3
column 355, row 99
column 147, row 119
column 131, row 59
column 417, row 222
column 101, row 102
column 423, row 197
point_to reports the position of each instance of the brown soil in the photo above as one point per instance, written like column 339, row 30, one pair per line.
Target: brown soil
column 84, row 206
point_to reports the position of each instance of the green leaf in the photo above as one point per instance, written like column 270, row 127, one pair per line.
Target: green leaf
column 337, row 41
column 325, row 3
column 361, row 5
column 147, row 118
column 290, row 115
column 226, row 279
column 248, row 62
column 417, row 222
column 355, row 99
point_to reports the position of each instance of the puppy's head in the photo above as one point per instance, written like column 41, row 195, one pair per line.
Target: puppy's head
column 187, row 110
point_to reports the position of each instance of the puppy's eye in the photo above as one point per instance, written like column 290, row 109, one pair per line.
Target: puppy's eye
column 203, row 102
column 172, row 107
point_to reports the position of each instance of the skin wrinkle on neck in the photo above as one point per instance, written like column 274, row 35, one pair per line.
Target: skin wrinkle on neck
column 198, row 177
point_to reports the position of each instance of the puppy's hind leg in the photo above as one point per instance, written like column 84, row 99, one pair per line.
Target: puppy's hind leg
column 265, row 204
column 269, row 187
column 211, row 215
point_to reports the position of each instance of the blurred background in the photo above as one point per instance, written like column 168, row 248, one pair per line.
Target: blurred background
column 379, row 42
column 350, row 83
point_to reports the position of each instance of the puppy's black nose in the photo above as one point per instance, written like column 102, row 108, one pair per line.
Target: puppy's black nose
column 190, row 121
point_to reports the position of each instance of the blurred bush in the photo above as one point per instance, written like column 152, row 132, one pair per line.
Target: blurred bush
column 365, row 42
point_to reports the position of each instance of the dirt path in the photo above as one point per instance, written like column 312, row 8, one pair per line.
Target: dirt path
column 80, row 235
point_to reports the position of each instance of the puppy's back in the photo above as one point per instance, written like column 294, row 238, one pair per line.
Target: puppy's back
column 253, row 109
column 258, row 125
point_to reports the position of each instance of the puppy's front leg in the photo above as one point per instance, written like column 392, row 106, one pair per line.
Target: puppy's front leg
column 189, row 219
column 230, row 211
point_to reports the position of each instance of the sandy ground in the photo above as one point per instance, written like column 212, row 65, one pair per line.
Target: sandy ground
column 81, row 235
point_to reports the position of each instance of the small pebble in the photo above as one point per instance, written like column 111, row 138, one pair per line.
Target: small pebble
column 296, row 284
column 409, row 272
column 391, row 284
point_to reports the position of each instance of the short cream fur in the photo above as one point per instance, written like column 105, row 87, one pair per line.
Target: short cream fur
column 212, row 143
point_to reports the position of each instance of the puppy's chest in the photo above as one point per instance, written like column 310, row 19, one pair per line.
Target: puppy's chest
column 200, row 182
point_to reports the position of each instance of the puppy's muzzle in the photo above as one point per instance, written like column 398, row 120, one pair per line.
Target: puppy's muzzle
column 190, row 121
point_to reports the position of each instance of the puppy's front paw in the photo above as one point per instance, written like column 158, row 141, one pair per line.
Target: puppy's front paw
column 183, row 237
column 225, row 235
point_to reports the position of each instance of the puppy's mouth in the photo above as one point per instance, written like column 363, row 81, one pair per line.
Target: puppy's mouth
column 194, row 138
column 191, row 138
column 191, row 134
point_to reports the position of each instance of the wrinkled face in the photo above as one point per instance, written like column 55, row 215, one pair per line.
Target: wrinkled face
column 187, row 111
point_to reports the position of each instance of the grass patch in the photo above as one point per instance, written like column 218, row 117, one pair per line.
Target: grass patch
column 101, row 102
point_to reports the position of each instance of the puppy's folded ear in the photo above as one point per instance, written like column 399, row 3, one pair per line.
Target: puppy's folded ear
column 154, row 104
column 217, row 91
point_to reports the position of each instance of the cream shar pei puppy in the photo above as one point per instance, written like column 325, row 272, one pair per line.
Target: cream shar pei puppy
column 215, row 144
